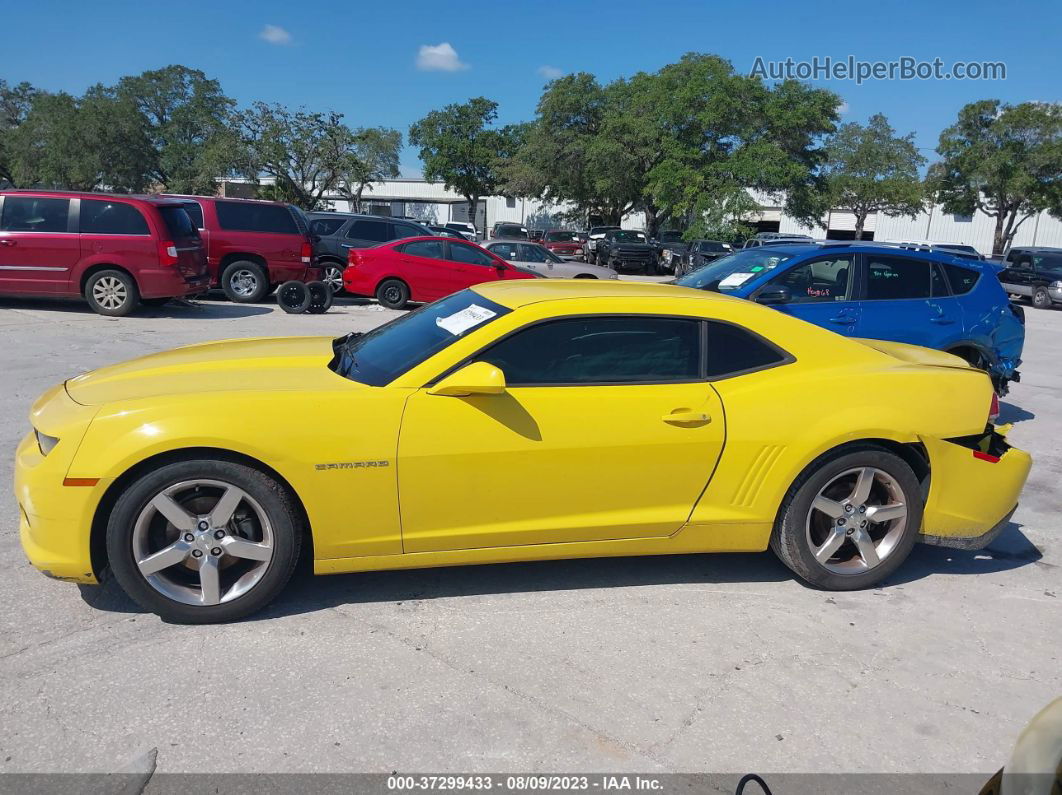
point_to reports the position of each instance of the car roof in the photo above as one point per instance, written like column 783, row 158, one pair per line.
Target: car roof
column 801, row 249
column 87, row 194
column 516, row 293
column 187, row 196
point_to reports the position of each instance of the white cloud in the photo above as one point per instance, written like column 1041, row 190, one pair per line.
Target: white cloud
column 550, row 72
column 439, row 58
column 842, row 108
column 275, row 34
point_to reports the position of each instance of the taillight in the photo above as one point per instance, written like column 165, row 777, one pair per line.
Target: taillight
column 167, row 252
column 993, row 411
column 352, row 257
column 307, row 252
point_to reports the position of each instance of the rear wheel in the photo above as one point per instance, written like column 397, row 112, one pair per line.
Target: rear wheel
column 850, row 519
column 1041, row 299
column 392, row 293
column 244, row 282
column 112, row 293
column 333, row 277
column 205, row 541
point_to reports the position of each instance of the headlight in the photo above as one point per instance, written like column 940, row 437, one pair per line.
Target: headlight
column 45, row 443
column 666, row 253
column 1055, row 286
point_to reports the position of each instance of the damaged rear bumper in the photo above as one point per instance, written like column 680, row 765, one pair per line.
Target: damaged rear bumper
column 974, row 488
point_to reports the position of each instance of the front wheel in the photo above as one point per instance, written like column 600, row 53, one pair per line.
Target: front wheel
column 200, row 542
column 1041, row 299
column 849, row 520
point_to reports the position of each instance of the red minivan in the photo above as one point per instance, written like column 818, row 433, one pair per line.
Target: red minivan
column 423, row 269
column 115, row 250
column 252, row 245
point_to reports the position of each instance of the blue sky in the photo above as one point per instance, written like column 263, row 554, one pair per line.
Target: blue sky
column 361, row 58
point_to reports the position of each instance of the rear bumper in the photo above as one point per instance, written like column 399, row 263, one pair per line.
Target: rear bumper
column 970, row 542
column 170, row 283
column 974, row 488
column 278, row 274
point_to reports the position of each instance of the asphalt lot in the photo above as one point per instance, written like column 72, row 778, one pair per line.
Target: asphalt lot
column 691, row 663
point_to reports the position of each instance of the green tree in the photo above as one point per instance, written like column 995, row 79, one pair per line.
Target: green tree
column 187, row 118
column 373, row 156
column 871, row 169
column 15, row 103
column 1004, row 160
column 95, row 142
column 460, row 147
column 306, row 153
column 685, row 142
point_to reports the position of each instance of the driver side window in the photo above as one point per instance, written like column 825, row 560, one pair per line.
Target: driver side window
column 817, row 281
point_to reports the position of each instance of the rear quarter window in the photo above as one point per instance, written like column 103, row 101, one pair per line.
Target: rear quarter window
column 733, row 350
column 112, row 218
column 252, row 217
column 962, row 280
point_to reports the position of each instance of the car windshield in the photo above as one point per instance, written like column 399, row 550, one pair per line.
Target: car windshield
column 711, row 246
column 628, row 236
column 600, row 230
column 730, row 273
column 561, row 236
column 380, row 356
column 671, row 237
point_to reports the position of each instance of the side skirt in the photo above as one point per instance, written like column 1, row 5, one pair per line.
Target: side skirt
column 693, row 538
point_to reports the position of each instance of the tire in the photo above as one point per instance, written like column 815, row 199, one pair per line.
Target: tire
column 244, row 282
column 320, row 297
column 800, row 528
column 112, row 293
column 258, row 544
column 1041, row 299
column 333, row 276
column 600, row 261
column 293, row 297
column 392, row 293
column 650, row 268
column 584, row 276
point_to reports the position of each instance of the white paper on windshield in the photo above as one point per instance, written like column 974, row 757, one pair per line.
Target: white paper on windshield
column 736, row 279
column 460, row 322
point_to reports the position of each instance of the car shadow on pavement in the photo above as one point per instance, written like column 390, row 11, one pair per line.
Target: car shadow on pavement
column 208, row 310
column 1008, row 412
column 308, row 594
column 1011, row 550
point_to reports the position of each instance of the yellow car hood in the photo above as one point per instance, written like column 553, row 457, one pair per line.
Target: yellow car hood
column 916, row 354
column 280, row 363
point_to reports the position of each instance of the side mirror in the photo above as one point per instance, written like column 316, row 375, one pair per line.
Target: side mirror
column 478, row 378
column 774, row 294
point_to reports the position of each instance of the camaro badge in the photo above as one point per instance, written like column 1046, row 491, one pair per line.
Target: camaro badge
column 352, row 465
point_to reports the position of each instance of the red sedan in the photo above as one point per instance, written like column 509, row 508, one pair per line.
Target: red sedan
column 562, row 242
column 423, row 269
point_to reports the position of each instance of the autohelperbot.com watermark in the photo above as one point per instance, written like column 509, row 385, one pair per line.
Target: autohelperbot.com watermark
column 906, row 67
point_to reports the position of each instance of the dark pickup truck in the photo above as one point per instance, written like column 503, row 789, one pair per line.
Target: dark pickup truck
column 626, row 249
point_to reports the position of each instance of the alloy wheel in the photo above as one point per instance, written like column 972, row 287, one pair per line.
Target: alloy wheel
column 243, row 282
column 333, row 277
column 856, row 521
column 202, row 542
column 109, row 292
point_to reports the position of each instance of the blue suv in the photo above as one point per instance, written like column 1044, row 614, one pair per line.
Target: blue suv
column 927, row 298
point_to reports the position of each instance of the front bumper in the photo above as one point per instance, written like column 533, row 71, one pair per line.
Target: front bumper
column 54, row 520
column 974, row 487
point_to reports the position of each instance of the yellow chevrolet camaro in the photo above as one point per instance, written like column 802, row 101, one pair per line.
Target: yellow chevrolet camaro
column 523, row 420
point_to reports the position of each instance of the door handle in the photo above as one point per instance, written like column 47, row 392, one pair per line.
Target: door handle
column 943, row 321
column 842, row 319
column 7, row 243
column 682, row 417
